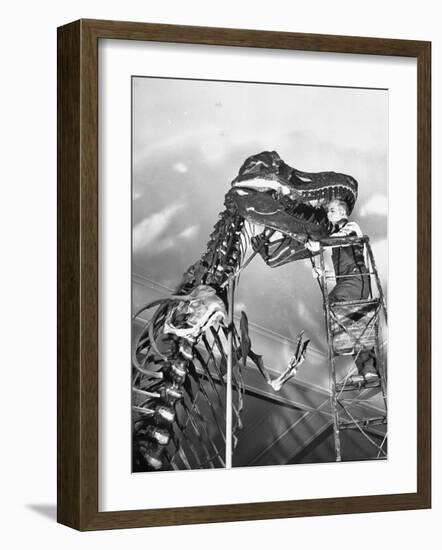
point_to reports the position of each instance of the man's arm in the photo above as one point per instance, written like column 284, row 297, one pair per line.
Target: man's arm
column 350, row 229
column 313, row 246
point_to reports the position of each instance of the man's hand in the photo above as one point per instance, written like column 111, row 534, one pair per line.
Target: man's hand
column 317, row 272
column 313, row 246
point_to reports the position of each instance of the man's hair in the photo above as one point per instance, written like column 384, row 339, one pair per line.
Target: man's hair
column 343, row 204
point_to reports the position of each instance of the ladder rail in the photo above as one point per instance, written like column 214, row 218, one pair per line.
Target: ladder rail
column 378, row 281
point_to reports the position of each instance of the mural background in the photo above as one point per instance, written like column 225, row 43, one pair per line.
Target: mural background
column 190, row 138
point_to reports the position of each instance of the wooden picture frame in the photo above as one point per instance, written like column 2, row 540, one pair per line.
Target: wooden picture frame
column 78, row 274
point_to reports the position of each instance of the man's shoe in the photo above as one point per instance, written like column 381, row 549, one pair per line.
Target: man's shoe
column 355, row 380
column 371, row 376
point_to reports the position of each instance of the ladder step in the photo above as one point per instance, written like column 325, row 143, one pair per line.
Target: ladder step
column 362, row 423
column 352, row 386
column 349, row 275
column 368, row 301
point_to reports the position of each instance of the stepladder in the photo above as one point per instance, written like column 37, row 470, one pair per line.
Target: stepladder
column 356, row 332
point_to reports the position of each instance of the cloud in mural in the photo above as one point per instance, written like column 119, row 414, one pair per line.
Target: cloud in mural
column 150, row 229
column 377, row 204
column 174, row 241
column 189, row 232
column 180, row 167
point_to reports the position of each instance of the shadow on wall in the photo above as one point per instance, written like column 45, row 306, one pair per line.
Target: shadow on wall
column 48, row 511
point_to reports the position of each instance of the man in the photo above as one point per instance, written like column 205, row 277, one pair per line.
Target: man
column 353, row 281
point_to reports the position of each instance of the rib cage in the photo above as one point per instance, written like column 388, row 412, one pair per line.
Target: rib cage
column 179, row 402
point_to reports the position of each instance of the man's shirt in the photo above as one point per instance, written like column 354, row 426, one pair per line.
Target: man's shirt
column 348, row 259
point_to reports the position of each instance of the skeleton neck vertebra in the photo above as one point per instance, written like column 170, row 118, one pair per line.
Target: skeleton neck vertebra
column 224, row 252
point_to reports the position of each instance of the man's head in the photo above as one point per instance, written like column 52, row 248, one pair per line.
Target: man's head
column 337, row 210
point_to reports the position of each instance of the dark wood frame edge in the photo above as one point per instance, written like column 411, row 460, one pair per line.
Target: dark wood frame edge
column 77, row 226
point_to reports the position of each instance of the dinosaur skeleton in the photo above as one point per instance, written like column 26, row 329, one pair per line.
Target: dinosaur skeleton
column 180, row 357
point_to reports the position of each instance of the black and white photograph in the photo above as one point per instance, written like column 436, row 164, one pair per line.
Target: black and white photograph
column 259, row 274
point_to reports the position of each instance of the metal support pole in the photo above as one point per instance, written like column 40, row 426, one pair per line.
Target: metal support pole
column 333, row 398
column 230, row 328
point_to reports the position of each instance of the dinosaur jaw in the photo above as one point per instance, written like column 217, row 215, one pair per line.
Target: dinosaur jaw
column 267, row 171
column 280, row 208
column 266, row 184
column 323, row 194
